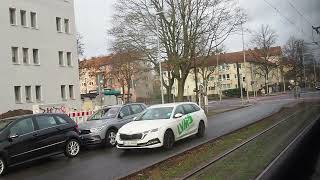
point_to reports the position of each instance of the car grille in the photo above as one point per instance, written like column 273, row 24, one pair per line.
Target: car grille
column 85, row 132
column 130, row 137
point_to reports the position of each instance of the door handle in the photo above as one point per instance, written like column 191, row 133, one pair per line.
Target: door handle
column 35, row 135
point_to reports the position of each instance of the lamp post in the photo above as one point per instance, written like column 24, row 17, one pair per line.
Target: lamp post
column 244, row 62
column 158, row 57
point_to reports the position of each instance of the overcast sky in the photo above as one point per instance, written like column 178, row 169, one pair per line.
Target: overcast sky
column 93, row 18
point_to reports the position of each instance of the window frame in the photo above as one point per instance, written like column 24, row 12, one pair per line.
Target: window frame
column 13, row 19
column 37, row 56
column 25, row 56
column 59, row 24
column 69, row 59
column 71, row 92
column 63, row 92
column 33, row 20
column 66, row 23
column 38, row 99
column 19, row 100
column 61, row 58
column 15, row 54
column 23, row 18
column 28, row 92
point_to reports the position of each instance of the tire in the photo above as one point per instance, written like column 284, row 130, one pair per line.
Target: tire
column 3, row 166
column 201, row 129
column 168, row 140
column 72, row 148
column 110, row 139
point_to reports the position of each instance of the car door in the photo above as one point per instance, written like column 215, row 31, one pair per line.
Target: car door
column 124, row 115
column 179, row 123
column 22, row 139
column 49, row 134
column 192, row 120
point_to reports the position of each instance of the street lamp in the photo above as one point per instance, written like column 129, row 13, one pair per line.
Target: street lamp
column 158, row 57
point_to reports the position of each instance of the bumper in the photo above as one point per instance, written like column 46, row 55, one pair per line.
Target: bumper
column 140, row 144
column 90, row 139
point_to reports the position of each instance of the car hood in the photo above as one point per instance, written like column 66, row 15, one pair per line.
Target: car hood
column 93, row 124
column 135, row 127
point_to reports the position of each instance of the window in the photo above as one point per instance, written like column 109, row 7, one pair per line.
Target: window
column 228, row 86
column 71, row 91
column 58, row 24
column 179, row 109
column 35, row 55
column 28, row 93
column 23, row 16
column 61, row 120
column 195, row 107
column 25, row 56
column 63, row 92
column 33, row 17
column 17, row 94
column 66, row 26
column 211, row 78
column 61, row 63
column 224, row 77
column 125, row 111
column 228, row 77
column 69, row 58
column 38, row 94
column 211, row 88
column 24, row 126
column 220, row 78
column 235, row 76
column 136, row 108
column 14, row 51
column 188, row 108
column 243, row 78
column 13, row 16
column 45, row 122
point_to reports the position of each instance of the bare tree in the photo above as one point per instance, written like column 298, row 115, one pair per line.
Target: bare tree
column 263, row 40
column 80, row 45
column 183, row 25
column 124, row 66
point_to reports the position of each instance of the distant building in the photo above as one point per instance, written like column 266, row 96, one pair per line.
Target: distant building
column 141, row 85
column 227, row 76
column 38, row 54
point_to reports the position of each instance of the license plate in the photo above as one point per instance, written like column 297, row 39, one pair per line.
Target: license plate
column 130, row 143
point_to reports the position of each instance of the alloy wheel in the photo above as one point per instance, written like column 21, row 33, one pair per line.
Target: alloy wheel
column 73, row 148
column 112, row 138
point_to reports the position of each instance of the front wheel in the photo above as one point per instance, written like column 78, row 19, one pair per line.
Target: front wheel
column 72, row 148
column 201, row 129
column 168, row 140
column 110, row 139
column 3, row 166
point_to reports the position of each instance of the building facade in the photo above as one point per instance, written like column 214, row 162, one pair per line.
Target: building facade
column 225, row 75
column 141, row 86
column 39, row 63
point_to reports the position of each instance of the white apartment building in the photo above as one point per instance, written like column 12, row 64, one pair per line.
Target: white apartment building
column 38, row 59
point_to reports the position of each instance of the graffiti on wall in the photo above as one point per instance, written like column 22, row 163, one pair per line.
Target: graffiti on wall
column 50, row 108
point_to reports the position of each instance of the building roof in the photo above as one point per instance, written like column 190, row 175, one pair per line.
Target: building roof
column 95, row 61
column 237, row 57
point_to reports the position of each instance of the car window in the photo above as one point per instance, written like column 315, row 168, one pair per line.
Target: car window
column 125, row 111
column 22, row 127
column 136, row 108
column 195, row 107
column 188, row 108
column 107, row 113
column 179, row 109
column 46, row 121
column 61, row 120
column 156, row 114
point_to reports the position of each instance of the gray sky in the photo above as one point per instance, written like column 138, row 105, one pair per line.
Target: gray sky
column 93, row 18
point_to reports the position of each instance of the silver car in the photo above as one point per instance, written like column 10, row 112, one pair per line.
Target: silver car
column 103, row 125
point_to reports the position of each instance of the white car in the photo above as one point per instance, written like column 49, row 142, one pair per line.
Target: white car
column 162, row 125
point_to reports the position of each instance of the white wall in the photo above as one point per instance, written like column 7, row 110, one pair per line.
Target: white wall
column 49, row 74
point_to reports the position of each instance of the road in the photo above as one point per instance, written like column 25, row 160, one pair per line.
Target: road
column 110, row 163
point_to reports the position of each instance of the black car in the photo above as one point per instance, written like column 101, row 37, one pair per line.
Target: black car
column 31, row 137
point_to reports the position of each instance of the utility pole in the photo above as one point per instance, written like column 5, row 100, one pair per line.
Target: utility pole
column 218, row 83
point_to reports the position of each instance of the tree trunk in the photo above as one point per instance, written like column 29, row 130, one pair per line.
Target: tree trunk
column 181, row 83
column 128, row 95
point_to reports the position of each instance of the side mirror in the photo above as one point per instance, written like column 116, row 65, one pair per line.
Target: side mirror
column 178, row 115
column 134, row 118
column 120, row 116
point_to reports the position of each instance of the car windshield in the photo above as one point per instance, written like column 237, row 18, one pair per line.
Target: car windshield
column 4, row 123
column 156, row 114
column 107, row 113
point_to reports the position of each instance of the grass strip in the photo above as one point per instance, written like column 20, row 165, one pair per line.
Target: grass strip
column 251, row 159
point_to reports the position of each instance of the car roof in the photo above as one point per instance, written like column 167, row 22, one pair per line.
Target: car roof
column 121, row 105
column 29, row 115
column 170, row 104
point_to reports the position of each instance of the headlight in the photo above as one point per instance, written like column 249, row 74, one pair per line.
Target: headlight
column 96, row 130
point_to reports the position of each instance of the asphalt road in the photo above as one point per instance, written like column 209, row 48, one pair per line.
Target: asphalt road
column 111, row 163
